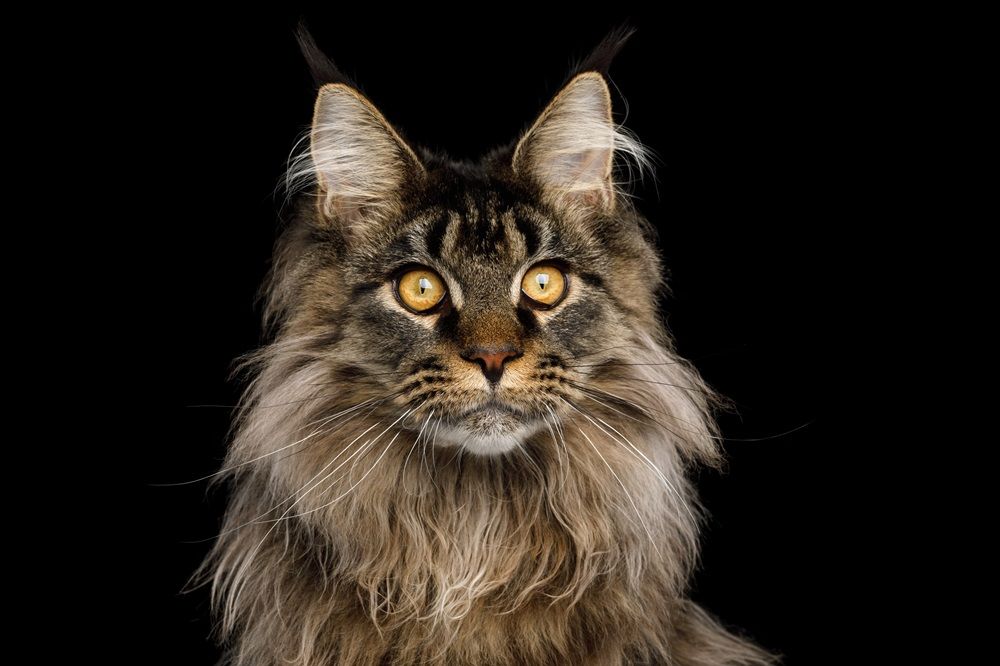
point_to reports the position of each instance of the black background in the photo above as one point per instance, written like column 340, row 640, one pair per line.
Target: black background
column 743, row 112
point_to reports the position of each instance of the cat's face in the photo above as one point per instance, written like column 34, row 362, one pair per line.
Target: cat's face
column 485, row 308
column 480, row 295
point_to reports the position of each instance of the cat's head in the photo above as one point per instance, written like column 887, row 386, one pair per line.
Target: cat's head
column 482, row 294
column 506, row 309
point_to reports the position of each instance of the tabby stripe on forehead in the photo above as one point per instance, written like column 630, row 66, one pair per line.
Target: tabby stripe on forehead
column 484, row 221
column 528, row 230
column 436, row 234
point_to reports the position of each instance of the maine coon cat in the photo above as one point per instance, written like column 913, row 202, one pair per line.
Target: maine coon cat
column 468, row 440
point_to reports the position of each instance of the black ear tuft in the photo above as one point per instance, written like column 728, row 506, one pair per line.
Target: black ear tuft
column 600, row 58
column 321, row 67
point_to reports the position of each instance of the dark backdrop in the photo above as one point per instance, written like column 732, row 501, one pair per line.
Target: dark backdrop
column 744, row 112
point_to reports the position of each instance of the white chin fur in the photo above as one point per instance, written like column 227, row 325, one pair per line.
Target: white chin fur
column 490, row 445
column 486, row 442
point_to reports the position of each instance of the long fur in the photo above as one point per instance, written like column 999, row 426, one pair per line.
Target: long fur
column 440, row 562
column 356, row 535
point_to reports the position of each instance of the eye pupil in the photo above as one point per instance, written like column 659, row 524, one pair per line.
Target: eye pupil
column 425, row 284
column 543, row 280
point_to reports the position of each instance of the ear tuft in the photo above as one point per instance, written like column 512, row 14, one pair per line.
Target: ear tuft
column 321, row 66
column 604, row 53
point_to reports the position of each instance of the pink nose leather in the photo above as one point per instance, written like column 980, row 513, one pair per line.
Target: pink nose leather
column 492, row 360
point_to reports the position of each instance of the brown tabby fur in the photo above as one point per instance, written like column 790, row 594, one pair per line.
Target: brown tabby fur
column 360, row 529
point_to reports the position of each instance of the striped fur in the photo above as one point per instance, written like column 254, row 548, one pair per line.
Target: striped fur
column 363, row 526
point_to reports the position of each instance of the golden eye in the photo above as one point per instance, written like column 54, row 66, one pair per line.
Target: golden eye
column 544, row 285
column 420, row 289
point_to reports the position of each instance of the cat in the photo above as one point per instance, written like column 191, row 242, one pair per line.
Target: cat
column 469, row 439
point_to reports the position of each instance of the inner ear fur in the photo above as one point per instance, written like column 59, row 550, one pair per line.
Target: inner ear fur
column 360, row 162
column 569, row 150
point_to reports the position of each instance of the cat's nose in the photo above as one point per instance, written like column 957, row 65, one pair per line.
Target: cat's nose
column 492, row 359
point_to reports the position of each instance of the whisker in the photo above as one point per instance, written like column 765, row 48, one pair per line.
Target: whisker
column 458, row 452
column 770, row 437
column 414, row 445
column 271, row 406
column 651, row 419
column 248, row 559
column 301, row 400
column 585, row 388
column 527, row 456
column 285, row 515
column 359, row 450
column 616, row 364
column 260, row 519
column 548, row 425
column 356, row 484
column 340, row 426
column 721, row 352
column 678, row 386
column 430, row 472
column 266, row 455
column 553, row 427
column 363, row 377
column 628, row 495
column 623, row 441
column 604, row 351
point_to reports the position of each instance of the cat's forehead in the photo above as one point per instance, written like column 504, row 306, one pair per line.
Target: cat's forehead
column 485, row 228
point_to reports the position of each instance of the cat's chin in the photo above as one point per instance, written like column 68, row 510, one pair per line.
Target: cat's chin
column 491, row 445
column 487, row 432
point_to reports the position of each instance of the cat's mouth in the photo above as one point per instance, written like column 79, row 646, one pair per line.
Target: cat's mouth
column 491, row 428
column 493, row 407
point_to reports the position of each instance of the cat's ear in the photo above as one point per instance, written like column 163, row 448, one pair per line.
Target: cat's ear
column 569, row 150
column 360, row 162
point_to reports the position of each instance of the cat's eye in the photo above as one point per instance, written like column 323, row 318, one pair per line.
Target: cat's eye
column 420, row 289
column 544, row 285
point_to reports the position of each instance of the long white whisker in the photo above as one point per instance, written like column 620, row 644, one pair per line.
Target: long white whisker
column 627, row 444
column 348, row 491
column 322, row 421
column 586, row 389
column 304, row 490
column 346, row 460
column 555, row 442
column 554, row 428
column 437, row 426
column 632, row 418
column 260, row 518
column 250, row 557
column 419, row 435
column 624, row 489
column 365, row 448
